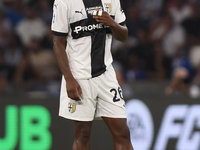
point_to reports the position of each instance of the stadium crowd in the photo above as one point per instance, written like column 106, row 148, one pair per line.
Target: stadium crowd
column 163, row 44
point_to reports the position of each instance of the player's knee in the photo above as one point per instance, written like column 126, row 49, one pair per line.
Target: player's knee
column 122, row 134
column 125, row 134
column 83, row 136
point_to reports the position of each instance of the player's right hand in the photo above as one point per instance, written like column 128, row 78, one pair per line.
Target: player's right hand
column 73, row 89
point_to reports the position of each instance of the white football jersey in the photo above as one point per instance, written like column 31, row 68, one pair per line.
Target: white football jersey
column 88, row 42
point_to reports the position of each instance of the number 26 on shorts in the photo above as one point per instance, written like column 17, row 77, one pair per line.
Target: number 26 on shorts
column 116, row 93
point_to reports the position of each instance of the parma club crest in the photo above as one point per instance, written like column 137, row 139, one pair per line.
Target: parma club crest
column 108, row 7
column 72, row 107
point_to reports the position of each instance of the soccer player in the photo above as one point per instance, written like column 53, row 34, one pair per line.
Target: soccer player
column 83, row 31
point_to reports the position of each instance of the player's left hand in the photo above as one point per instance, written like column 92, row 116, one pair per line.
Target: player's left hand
column 102, row 17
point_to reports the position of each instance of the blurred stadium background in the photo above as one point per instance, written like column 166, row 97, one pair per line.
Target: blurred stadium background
column 158, row 68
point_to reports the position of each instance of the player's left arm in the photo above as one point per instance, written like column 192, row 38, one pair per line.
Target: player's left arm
column 119, row 32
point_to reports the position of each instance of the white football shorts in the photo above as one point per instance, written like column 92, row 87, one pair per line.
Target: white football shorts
column 101, row 97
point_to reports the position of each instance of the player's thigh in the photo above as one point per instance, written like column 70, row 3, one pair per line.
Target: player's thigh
column 110, row 100
column 118, row 127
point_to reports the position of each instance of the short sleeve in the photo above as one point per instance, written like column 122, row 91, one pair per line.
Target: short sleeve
column 119, row 13
column 60, row 20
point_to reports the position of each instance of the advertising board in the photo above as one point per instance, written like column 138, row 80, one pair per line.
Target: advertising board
column 155, row 124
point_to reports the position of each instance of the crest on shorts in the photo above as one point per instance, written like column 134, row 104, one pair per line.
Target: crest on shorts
column 108, row 7
column 72, row 107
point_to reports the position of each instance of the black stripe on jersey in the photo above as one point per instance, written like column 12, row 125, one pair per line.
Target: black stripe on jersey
column 59, row 33
column 97, row 31
column 98, row 41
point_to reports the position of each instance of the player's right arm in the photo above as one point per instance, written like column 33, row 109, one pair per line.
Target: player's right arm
column 60, row 30
column 73, row 88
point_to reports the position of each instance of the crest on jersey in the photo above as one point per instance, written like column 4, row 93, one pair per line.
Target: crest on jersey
column 72, row 107
column 108, row 7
